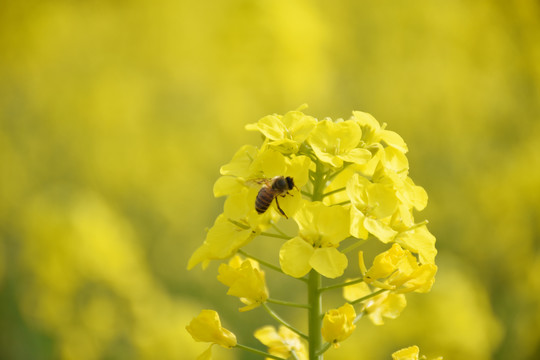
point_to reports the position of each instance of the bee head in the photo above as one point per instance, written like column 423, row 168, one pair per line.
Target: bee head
column 290, row 182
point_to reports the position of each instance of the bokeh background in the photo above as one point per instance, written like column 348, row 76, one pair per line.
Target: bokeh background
column 116, row 116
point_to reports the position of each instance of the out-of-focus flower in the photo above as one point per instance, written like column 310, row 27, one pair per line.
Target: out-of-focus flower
column 384, row 305
column 410, row 353
column 338, row 324
column 245, row 280
column 282, row 343
column 321, row 229
column 206, row 327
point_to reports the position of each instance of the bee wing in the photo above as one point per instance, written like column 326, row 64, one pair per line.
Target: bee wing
column 257, row 182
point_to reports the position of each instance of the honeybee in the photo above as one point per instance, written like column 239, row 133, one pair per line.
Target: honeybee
column 272, row 189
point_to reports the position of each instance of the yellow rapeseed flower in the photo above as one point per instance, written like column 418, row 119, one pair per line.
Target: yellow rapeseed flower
column 373, row 205
column 222, row 241
column 338, row 324
column 336, row 142
column 400, row 271
column 285, row 133
column 282, row 343
column 206, row 327
column 321, row 229
column 245, row 280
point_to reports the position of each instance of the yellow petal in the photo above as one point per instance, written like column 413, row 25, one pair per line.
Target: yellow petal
column 356, row 291
column 329, row 262
column 222, row 241
column 294, row 257
column 419, row 240
column 410, row 353
column 207, row 354
column 357, row 156
column 358, row 230
column 270, row 126
column 385, row 305
column 338, row 324
column 239, row 165
column 382, row 231
column 226, row 185
column 386, row 263
column 206, row 327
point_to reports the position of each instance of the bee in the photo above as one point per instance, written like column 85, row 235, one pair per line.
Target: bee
column 272, row 189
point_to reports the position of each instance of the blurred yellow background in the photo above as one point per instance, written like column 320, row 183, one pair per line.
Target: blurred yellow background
column 116, row 115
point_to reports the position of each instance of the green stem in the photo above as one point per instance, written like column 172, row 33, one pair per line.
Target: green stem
column 283, row 322
column 368, row 296
column 287, row 303
column 260, row 261
column 347, row 283
column 279, row 236
column 324, row 348
column 334, row 191
column 315, row 315
column 268, row 265
column 358, row 317
column 258, row 352
column 353, row 246
column 279, row 231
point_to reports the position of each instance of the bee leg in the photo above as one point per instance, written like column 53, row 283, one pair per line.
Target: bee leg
column 279, row 208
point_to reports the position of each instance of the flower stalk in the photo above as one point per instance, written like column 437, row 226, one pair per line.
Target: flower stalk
column 315, row 315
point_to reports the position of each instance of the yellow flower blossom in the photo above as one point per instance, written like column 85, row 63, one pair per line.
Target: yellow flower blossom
column 372, row 207
column 401, row 271
column 373, row 132
column 285, row 133
column 420, row 241
column 321, row 229
column 206, row 327
column 338, row 324
column 356, row 291
column 385, row 305
column 282, row 343
column 245, row 280
column 222, row 241
column 336, row 142
column 243, row 178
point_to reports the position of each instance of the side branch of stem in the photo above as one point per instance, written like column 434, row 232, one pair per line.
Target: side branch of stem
column 258, row 352
column 283, row 322
column 340, row 285
column 364, row 298
column 287, row 303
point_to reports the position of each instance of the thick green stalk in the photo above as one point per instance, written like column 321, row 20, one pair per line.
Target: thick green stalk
column 315, row 315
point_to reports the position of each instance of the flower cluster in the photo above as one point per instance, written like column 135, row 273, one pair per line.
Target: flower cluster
column 341, row 183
